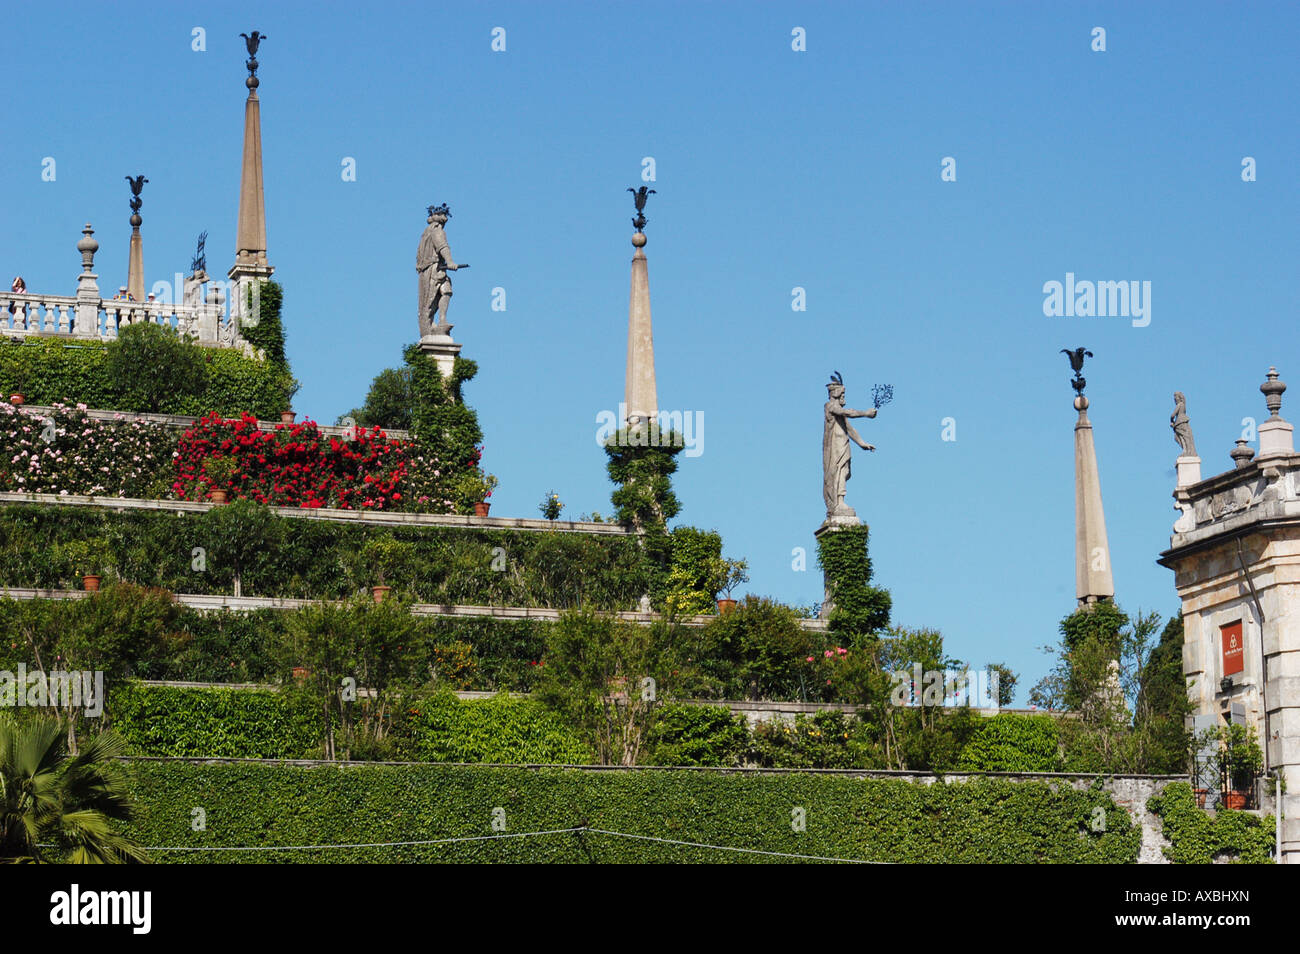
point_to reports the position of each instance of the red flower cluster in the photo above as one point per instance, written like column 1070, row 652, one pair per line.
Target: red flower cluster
column 294, row 465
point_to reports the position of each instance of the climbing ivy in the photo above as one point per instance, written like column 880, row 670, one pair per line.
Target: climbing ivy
column 1198, row 838
column 860, row 610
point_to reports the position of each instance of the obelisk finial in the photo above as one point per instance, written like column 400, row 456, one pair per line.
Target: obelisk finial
column 252, row 43
column 135, row 265
column 1093, row 579
column 251, row 265
column 640, row 398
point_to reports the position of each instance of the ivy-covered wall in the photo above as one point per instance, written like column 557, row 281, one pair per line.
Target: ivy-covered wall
column 981, row 822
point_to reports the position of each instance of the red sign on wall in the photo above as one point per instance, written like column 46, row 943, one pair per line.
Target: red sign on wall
column 1233, row 648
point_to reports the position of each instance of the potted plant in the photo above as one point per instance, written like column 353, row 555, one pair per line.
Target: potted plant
column 91, row 559
column 218, row 471
column 1239, row 761
column 730, row 574
column 551, row 506
column 288, row 417
column 390, row 558
column 473, row 488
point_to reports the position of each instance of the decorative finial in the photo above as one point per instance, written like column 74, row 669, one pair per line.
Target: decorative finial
column 199, row 263
column 639, row 196
column 1272, row 389
column 136, row 185
column 1076, row 364
column 1242, row 453
column 87, row 246
column 252, row 43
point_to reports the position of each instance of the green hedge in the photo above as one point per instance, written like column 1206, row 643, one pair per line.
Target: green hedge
column 1198, row 838
column 318, row 559
column 228, row 723
column 501, row 729
column 1011, row 742
column 989, row 821
column 50, row 370
column 174, row 721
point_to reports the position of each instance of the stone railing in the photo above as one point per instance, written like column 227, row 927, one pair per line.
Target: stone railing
column 26, row 315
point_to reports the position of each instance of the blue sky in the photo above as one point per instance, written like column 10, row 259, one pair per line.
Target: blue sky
column 774, row 169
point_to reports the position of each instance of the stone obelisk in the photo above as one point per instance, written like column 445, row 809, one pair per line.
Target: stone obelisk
column 1092, row 574
column 251, row 264
column 640, row 398
column 135, row 266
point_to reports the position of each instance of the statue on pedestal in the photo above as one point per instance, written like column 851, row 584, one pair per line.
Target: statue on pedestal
column 836, row 458
column 1182, row 426
column 432, row 262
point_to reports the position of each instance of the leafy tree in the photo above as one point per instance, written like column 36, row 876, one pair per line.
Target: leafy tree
column 1007, row 679
column 150, row 365
column 55, row 806
column 388, row 403
column 238, row 534
column 358, row 659
column 596, row 675
column 759, row 651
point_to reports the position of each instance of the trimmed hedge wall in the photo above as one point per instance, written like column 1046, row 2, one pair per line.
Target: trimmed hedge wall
column 176, row 722
column 230, row 723
column 50, row 370
column 322, row 559
column 984, row 822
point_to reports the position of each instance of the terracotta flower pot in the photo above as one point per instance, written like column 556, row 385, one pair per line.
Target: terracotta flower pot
column 1201, row 794
column 287, row 417
column 726, row 606
column 17, row 399
column 1235, row 799
column 301, row 672
column 481, row 508
column 218, row 496
column 90, row 582
column 380, row 592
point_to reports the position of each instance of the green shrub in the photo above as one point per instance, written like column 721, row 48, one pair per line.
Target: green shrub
column 150, row 366
column 828, row 739
column 759, row 651
column 56, row 371
column 1010, row 742
column 501, row 730
column 230, row 723
column 696, row 735
column 1197, row 838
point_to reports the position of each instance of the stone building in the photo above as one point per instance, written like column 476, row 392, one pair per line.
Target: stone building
column 1235, row 553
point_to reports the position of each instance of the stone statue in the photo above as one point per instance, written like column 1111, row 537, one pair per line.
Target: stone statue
column 836, row 434
column 1182, row 426
column 432, row 262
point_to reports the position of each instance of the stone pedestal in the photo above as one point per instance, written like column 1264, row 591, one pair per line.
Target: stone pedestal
column 242, row 275
column 1189, row 471
column 833, row 523
column 443, row 350
column 1275, row 437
